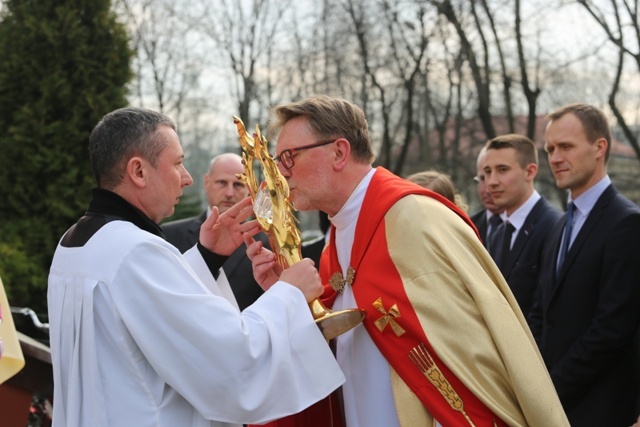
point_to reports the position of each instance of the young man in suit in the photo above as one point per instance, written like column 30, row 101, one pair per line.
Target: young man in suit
column 510, row 168
column 223, row 189
column 586, row 314
column 488, row 219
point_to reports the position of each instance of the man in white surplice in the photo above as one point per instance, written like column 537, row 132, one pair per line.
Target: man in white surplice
column 142, row 335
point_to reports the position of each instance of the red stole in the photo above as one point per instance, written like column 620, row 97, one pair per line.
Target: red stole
column 378, row 288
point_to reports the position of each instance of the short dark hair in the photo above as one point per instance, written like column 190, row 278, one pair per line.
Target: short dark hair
column 120, row 135
column 526, row 151
column 329, row 117
column 593, row 120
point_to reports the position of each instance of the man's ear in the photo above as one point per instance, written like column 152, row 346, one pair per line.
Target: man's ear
column 136, row 171
column 601, row 145
column 532, row 171
column 342, row 153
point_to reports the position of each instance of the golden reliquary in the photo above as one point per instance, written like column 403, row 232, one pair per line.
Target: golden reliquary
column 275, row 214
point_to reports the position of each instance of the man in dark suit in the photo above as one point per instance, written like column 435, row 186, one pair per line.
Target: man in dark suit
column 487, row 219
column 510, row 168
column 588, row 309
column 223, row 190
column 313, row 249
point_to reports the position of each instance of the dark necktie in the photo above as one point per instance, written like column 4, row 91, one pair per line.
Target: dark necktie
column 564, row 247
column 506, row 243
column 495, row 244
column 494, row 223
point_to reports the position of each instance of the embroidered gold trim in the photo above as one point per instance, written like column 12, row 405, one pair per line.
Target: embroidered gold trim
column 420, row 357
column 388, row 317
column 338, row 283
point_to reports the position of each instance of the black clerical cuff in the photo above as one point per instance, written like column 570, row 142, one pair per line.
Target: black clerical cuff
column 213, row 260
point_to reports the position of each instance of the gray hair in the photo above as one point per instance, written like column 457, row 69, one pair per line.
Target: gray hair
column 120, row 135
column 328, row 117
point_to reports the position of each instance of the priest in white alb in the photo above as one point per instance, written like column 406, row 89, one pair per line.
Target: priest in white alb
column 144, row 336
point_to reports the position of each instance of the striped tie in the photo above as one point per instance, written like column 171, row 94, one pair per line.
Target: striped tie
column 568, row 227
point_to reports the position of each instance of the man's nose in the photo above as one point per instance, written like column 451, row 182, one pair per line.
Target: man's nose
column 284, row 171
column 186, row 177
column 554, row 157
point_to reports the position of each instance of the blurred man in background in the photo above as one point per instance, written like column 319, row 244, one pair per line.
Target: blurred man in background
column 487, row 219
column 223, row 189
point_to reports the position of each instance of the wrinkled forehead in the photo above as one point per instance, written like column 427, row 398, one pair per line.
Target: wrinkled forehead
column 566, row 124
column 295, row 133
column 227, row 166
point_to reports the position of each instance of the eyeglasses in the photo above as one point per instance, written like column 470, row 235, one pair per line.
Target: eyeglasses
column 286, row 157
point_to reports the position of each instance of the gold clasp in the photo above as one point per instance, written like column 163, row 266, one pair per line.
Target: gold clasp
column 338, row 282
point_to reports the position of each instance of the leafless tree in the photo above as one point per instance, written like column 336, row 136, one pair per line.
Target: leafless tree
column 531, row 93
column 358, row 12
column 621, row 26
column 409, row 38
column 245, row 34
column 167, row 72
column 480, row 74
column 504, row 71
column 436, row 78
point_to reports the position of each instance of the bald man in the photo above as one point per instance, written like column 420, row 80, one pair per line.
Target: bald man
column 223, row 190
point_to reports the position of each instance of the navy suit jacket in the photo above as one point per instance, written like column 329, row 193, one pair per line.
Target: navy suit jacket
column 479, row 219
column 184, row 233
column 523, row 264
column 314, row 250
column 585, row 317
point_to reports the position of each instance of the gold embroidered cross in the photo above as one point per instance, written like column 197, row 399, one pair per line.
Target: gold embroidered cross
column 338, row 283
column 388, row 317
